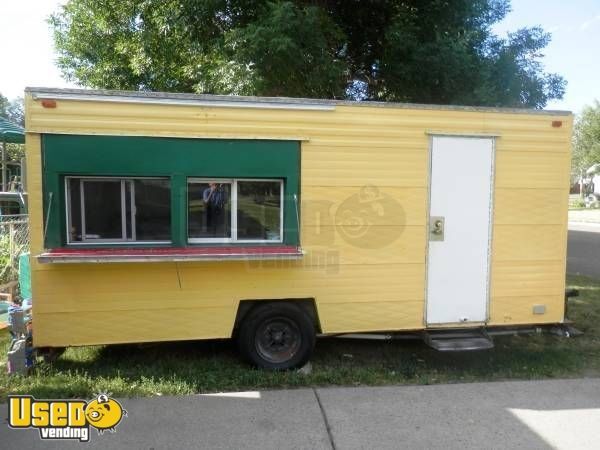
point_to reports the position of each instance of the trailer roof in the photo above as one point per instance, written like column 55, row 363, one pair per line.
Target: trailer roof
column 102, row 95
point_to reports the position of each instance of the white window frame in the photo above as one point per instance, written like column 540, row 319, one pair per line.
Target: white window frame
column 124, row 239
column 233, row 218
column 233, row 215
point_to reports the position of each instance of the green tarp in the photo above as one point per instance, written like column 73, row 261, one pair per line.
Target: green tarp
column 24, row 275
column 11, row 133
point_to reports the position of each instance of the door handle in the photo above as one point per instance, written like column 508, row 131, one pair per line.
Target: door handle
column 436, row 228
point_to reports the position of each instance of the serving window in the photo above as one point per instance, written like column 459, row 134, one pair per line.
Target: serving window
column 118, row 210
column 149, row 198
column 235, row 210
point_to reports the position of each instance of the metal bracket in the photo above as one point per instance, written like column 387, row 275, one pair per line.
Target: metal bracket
column 436, row 228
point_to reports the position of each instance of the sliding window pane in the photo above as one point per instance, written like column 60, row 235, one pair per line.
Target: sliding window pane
column 259, row 210
column 129, row 209
column 103, row 218
column 152, row 210
column 75, row 231
column 209, row 210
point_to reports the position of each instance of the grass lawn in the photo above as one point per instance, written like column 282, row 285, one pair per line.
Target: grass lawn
column 194, row 367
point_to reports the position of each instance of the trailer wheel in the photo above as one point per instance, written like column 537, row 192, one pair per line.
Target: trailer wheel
column 277, row 336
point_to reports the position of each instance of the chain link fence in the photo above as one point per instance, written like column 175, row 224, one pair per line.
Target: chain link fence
column 14, row 240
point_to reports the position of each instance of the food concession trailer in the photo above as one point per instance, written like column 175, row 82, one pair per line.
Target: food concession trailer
column 162, row 217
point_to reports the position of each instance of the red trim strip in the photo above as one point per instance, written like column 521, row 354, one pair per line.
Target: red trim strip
column 177, row 251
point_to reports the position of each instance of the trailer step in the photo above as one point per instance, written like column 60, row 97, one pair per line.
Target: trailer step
column 458, row 340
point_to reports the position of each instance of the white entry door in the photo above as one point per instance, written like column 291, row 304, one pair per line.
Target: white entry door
column 459, row 229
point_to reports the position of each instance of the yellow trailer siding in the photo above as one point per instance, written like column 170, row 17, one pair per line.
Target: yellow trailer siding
column 355, row 289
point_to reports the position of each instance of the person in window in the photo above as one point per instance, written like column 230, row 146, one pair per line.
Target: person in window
column 215, row 199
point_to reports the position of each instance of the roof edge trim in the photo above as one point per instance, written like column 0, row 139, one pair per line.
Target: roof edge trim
column 183, row 101
column 233, row 101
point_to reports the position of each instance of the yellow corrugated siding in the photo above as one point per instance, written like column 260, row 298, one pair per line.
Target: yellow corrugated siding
column 519, row 310
column 524, row 206
column 116, row 327
column 528, row 243
column 355, row 289
column 532, row 170
column 171, row 279
column 527, row 278
column 319, row 204
column 34, row 197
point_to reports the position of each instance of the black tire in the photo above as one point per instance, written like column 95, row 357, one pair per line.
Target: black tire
column 277, row 336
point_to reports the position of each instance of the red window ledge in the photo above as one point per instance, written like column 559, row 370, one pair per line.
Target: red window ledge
column 100, row 255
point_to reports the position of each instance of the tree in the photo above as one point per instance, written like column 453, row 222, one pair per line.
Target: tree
column 12, row 110
column 586, row 141
column 4, row 104
column 427, row 51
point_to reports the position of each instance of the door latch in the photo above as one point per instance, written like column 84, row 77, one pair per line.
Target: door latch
column 436, row 228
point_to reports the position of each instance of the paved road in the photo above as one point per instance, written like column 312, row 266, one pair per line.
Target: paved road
column 583, row 250
column 563, row 414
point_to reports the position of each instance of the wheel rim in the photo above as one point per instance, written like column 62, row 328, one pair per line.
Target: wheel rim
column 277, row 340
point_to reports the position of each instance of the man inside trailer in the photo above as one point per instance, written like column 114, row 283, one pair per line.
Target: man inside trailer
column 215, row 199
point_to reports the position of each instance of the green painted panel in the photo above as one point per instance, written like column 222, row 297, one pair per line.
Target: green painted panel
column 175, row 158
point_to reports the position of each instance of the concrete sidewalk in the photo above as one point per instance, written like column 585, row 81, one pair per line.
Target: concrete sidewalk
column 585, row 215
column 562, row 414
column 584, row 226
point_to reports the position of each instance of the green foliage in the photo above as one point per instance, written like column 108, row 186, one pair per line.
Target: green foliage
column 5, row 263
column 289, row 52
column 406, row 50
column 586, row 139
column 14, row 152
column 12, row 110
column 4, row 105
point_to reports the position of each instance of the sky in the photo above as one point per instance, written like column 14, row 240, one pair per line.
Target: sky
column 575, row 47
column 573, row 52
